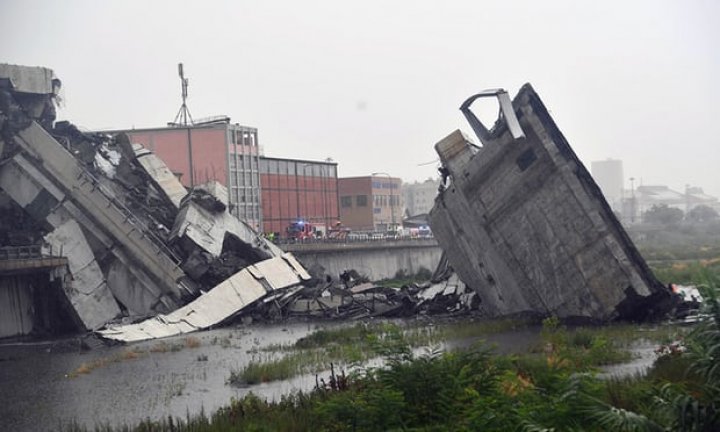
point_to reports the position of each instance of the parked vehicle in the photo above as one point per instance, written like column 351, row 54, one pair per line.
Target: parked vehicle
column 301, row 230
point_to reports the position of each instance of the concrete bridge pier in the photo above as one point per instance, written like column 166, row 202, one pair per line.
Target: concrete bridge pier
column 375, row 259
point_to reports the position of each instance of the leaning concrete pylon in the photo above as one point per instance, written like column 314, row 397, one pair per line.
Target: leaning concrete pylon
column 525, row 225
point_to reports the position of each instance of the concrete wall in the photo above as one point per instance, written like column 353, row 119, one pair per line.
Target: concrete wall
column 16, row 306
column 376, row 260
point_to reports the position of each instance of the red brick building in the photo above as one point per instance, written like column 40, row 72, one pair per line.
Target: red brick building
column 221, row 151
column 370, row 203
column 294, row 190
column 268, row 193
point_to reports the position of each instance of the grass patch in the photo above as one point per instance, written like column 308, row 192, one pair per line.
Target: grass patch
column 687, row 273
column 192, row 342
column 135, row 353
column 343, row 335
column 584, row 348
column 87, row 367
column 314, row 353
column 264, row 371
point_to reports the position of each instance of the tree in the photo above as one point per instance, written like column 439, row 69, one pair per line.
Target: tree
column 664, row 215
column 702, row 213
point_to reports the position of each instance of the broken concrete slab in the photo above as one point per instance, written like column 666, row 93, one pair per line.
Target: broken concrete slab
column 212, row 196
column 160, row 174
column 221, row 303
column 28, row 79
column 208, row 231
column 48, row 204
column 129, row 287
column 87, row 291
column 62, row 169
column 123, row 201
column 446, row 295
column 523, row 223
column 195, row 226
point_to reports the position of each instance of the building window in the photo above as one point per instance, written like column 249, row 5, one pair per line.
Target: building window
column 361, row 200
column 346, row 201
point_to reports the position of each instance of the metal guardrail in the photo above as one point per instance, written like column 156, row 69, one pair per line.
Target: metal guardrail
column 8, row 253
column 30, row 258
column 369, row 239
column 24, row 252
column 130, row 216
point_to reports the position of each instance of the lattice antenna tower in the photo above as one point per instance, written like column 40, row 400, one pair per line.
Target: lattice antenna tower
column 183, row 115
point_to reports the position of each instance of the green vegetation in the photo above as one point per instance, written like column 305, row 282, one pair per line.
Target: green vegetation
column 353, row 345
column 315, row 352
column 686, row 254
column 552, row 388
column 658, row 243
column 687, row 273
column 663, row 215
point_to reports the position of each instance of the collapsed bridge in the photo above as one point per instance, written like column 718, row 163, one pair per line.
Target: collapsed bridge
column 121, row 248
column 137, row 243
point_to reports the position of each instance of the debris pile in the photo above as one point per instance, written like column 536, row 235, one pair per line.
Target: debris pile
column 137, row 243
column 355, row 298
column 520, row 219
column 524, row 224
column 147, row 258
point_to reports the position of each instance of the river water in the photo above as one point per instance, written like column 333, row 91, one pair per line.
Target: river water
column 39, row 391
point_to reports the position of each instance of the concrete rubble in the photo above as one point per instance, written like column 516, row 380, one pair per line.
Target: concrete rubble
column 87, row 290
column 137, row 243
column 144, row 256
column 133, row 255
column 356, row 298
column 523, row 223
column 223, row 302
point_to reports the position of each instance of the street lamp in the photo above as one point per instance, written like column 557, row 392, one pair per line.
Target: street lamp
column 392, row 206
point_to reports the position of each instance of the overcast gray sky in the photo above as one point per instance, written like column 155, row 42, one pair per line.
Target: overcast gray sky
column 374, row 84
